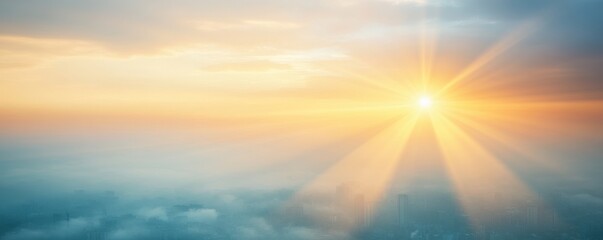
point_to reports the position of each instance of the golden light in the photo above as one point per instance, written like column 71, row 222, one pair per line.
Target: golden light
column 425, row 102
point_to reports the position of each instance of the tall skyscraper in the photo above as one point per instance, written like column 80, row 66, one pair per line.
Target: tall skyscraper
column 344, row 205
column 403, row 210
column 360, row 211
column 532, row 215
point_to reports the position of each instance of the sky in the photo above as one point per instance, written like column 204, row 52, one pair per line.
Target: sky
column 146, row 103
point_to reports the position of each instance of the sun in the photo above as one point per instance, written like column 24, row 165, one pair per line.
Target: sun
column 424, row 102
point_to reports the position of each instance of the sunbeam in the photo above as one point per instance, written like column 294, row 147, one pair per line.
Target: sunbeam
column 493, row 52
column 474, row 172
column 370, row 166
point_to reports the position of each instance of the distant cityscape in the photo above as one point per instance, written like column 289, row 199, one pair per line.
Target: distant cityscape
column 344, row 213
column 431, row 217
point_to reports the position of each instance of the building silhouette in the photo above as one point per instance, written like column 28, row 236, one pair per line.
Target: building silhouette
column 403, row 211
column 360, row 211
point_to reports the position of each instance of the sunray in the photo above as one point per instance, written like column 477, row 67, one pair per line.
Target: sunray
column 267, row 160
column 493, row 52
column 390, row 80
column 503, row 140
column 551, row 116
column 476, row 174
column 387, row 108
column 428, row 46
column 341, row 144
column 356, row 158
column 371, row 164
column 373, row 79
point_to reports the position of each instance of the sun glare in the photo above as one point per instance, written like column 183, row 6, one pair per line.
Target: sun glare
column 425, row 102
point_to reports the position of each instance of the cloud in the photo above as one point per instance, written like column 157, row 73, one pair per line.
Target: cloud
column 128, row 232
column 153, row 213
column 149, row 218
column 247, row 47
column 69, row 229
column 303, row 233
column 151, row 26
column 22, row 52
column 256, row 228
column 247, row 66
column 25, row 234
column 142, row 26
column 206, row 215
column 201, row 215
column 585, row 199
